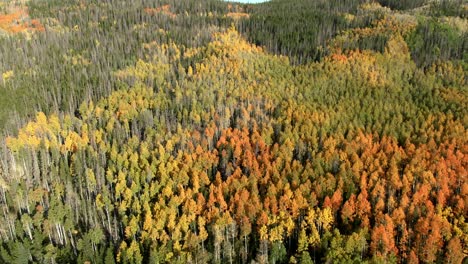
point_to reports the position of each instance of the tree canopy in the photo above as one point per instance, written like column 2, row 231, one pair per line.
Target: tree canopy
column 173, row 131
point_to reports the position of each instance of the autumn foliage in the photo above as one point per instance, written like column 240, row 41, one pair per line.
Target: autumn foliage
column 165, row 10
column 226, row 153
column 18, row 21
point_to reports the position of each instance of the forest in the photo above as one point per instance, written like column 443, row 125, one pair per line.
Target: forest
column 202, row 131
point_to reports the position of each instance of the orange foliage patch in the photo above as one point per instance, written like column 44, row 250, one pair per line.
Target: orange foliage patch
column 18, row 21
column 237, row 15
column 339, row 57
column 165, row 9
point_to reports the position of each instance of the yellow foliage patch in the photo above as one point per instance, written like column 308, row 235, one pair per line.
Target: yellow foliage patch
column 374, row 7
column 363, row 63
column 396, row 25
column 42, row 131
column 7, row 75
column 237, row 15
column 50, row 133
column 77, row 60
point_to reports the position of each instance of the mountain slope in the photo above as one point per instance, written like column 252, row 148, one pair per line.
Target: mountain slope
column 228, row 153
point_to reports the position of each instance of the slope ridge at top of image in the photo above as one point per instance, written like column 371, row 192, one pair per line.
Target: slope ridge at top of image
column 248, row 1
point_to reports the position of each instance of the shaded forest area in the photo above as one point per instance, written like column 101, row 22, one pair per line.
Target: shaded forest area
column 210, row 132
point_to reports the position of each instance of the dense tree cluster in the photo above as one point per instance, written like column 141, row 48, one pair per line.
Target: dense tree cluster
column 302, row 29
column 215, row 150
column 434, row 40
column 83, row 43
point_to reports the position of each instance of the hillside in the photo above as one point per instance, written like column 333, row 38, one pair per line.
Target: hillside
column 212, row 132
